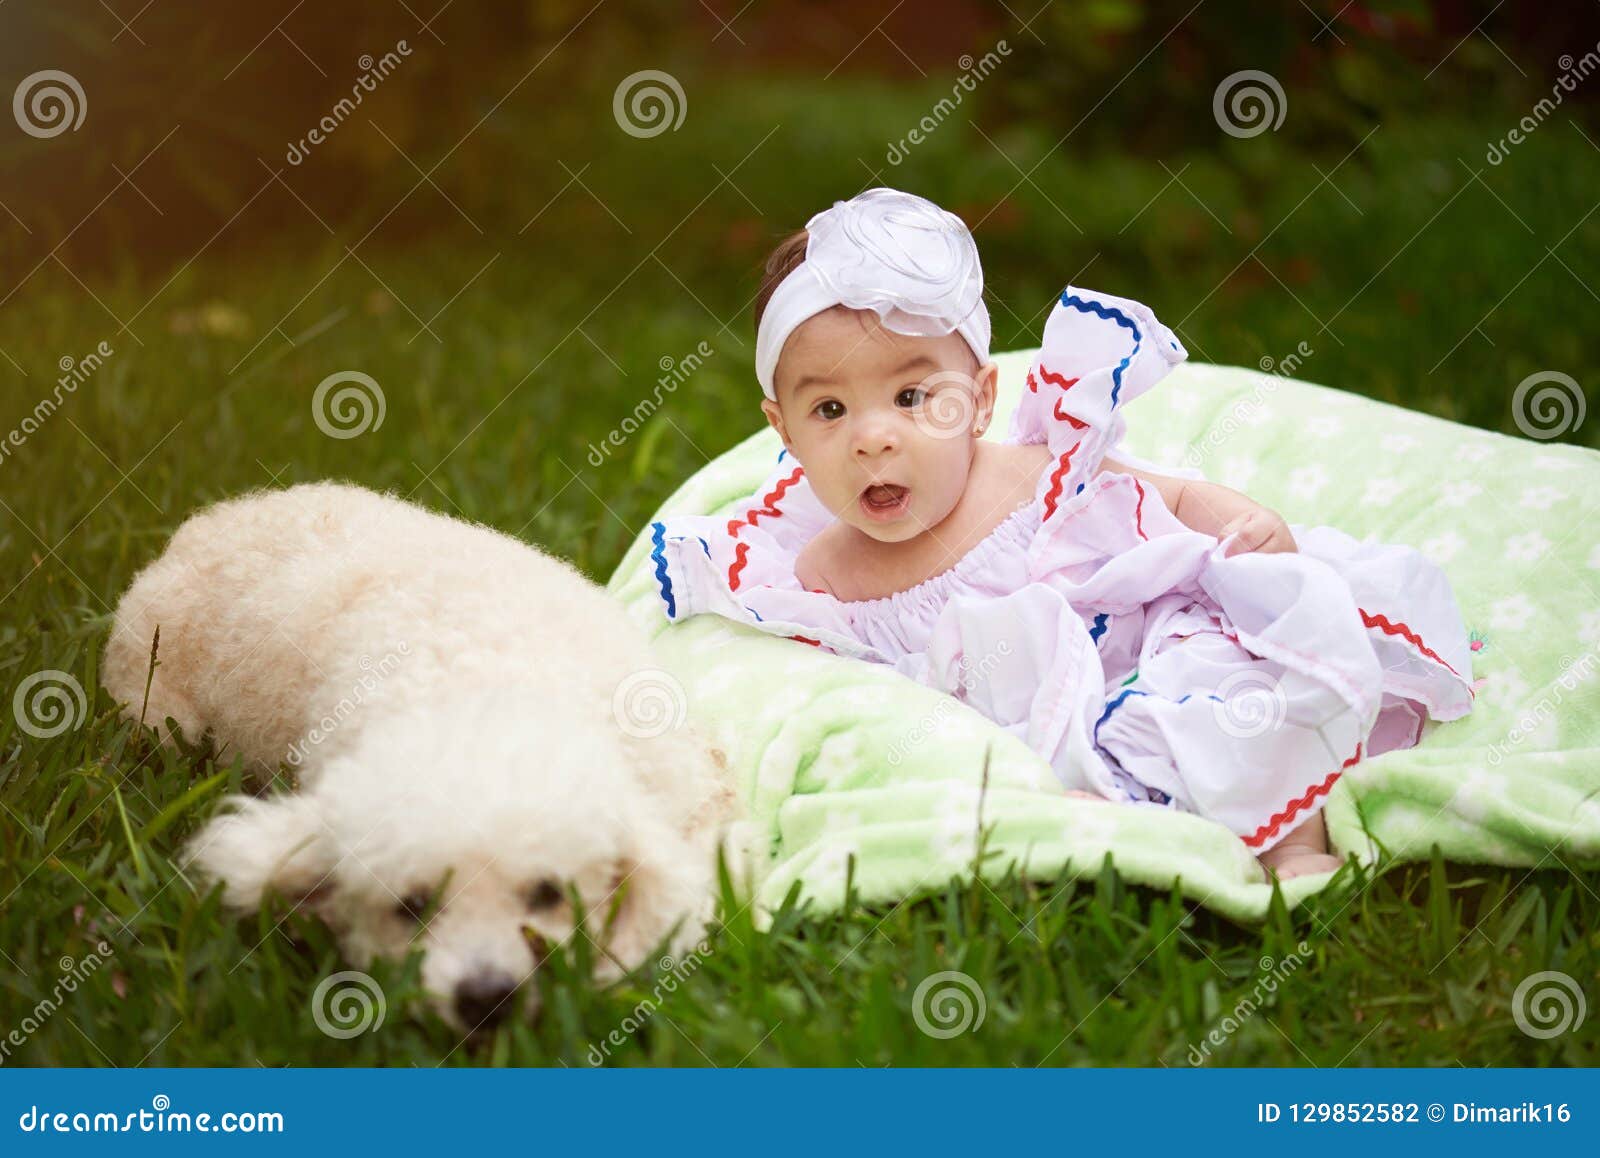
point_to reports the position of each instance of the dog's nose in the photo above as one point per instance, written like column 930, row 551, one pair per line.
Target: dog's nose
column 484, row 999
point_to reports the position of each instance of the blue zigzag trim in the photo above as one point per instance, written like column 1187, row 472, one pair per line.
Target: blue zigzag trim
column 1099, row 627
column 658, row 553
column 1114, row 704
column 1100, row 311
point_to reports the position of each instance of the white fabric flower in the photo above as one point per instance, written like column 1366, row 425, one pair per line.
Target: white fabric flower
column 1542, row 498
column 1381, row 492
column 1443, row 548
column 1307, row 481
column 900, row 255
column 1511, row 613
column 1459, row 493
column 1527, row 547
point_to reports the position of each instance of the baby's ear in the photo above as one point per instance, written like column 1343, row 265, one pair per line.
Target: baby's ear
column 775, row 419
column 279, row 844
column 988, row 380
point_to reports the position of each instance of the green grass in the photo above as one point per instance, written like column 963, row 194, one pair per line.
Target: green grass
column 493, row 421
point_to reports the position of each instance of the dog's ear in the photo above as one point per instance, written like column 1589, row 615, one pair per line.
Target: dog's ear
column 660, row 901
column 279, row 844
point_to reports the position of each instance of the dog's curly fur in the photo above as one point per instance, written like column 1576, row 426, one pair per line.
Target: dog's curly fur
column 450, row 697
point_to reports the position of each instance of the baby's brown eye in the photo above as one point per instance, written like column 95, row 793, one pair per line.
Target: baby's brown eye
column 910, row 396
column 414, row 905
column 546, row 894
column 830, row 410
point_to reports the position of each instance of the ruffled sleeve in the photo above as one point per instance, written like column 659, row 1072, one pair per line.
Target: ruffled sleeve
column 1099, row 353
column 742, row 565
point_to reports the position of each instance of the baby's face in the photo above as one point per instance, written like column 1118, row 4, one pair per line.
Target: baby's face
column 882, row 422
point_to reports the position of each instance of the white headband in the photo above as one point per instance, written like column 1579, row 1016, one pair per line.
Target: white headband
column 895, row 253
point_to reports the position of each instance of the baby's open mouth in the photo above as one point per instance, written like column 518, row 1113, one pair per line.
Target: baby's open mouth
column 885, row 500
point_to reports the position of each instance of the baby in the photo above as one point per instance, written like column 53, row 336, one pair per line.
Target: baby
column 1175, row 645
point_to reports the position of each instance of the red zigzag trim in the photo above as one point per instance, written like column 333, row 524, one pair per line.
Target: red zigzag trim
column 1053, row 495
column 1296, row 806
column 1384, row 624
column 769, row 508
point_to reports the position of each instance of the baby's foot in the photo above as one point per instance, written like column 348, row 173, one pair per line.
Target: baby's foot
column 1288, row 861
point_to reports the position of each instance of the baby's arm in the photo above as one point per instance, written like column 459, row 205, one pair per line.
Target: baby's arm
column 1213, row 509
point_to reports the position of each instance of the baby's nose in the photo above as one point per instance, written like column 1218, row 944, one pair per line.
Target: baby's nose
column 875, row 439
column 483, row 999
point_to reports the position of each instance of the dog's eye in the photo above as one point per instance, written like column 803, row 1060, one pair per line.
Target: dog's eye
column 546, row 894
column 414, row 905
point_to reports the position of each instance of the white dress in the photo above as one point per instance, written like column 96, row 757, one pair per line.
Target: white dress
column 1120, row 645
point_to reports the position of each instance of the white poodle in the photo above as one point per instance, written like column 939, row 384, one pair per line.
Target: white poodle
column 479, row 732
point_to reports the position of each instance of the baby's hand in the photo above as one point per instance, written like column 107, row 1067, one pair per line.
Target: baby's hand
column 1259, row 529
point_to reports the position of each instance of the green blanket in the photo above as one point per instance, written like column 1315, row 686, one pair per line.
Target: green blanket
column 838, row 757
